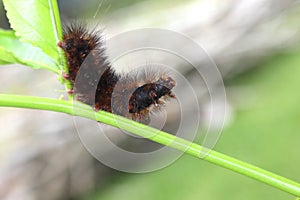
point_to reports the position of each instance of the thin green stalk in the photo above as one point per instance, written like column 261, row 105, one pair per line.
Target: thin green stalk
column 161, row 137
column 57, row 26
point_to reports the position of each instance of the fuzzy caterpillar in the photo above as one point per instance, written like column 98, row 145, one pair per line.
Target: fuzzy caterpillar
column 131, row 96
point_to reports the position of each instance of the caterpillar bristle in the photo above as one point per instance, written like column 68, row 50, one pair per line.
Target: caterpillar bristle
column 138, row 92
column 97, row 84
column 77, row 43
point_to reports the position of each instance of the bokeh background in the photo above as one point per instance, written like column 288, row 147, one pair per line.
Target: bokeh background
column 255, row 45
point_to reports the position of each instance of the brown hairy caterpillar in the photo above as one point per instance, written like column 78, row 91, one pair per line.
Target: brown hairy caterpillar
column 129, row 95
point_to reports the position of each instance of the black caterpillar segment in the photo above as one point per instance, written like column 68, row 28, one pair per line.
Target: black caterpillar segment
column 148, row 94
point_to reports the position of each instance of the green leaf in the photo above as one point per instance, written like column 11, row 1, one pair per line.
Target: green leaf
column 33, row 22
column 4, row 62
column 12, row 50
column 6, row 57
column 6, row 33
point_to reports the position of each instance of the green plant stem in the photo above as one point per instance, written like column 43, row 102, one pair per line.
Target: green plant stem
column 79, row 109
column 57, row 26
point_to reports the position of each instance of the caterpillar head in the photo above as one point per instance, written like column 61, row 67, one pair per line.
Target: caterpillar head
column 148, row 94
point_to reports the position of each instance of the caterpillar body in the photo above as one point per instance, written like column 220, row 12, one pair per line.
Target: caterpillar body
column 96, row 83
